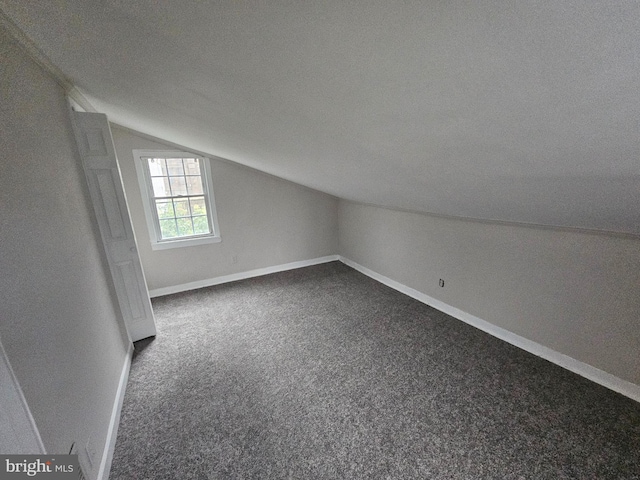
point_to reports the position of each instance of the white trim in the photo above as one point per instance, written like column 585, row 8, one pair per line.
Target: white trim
column 112, row 433
column 146, row 190
column 19, row 433
column 157, row 292
column 185, row 242
column 587, row 371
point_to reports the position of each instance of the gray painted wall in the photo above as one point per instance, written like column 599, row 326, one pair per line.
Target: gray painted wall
column 264, row 221
column 574, row 292
column 58, row 320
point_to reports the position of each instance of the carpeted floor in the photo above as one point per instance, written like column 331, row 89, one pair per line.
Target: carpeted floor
column 323, row 373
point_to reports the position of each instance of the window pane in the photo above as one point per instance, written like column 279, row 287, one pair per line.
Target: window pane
column 185, row 227
column 165, row 209
column 161, row 187
column 198, row 206
column 174, row 166
column 191, row 166
column 181, row 207
column 201, row 225
column 194, row 185
column 157, row 167
column 178, row 186
column 178, row 194
column 168, row 228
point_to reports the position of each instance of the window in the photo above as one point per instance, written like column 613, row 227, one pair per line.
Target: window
column 178, row 198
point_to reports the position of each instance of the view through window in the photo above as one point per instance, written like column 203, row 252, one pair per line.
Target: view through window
column 178, row 198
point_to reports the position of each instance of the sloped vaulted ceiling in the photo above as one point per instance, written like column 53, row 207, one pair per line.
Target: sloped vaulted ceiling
column 514, row 111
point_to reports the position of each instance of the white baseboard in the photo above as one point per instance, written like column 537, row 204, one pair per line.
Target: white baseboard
column 157, row 292
column 112, row 434
column 596, row 375
column 585, row 370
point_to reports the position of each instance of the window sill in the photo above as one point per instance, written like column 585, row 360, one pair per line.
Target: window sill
column 184, row 242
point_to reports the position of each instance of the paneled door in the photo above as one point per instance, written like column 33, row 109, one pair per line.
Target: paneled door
column 95, row 143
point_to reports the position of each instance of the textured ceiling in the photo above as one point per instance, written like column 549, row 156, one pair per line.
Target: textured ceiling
column 514, row 111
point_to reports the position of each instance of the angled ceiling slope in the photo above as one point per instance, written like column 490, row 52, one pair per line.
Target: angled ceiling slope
column 514, row 111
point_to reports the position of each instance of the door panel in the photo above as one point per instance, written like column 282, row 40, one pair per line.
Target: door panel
column 109, row 199
column 129, row 278
column 93, row 136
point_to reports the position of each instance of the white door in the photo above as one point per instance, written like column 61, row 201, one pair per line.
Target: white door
column 95, row 143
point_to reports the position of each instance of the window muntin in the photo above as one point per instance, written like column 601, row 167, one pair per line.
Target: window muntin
column 178, row 196
column 179, row 205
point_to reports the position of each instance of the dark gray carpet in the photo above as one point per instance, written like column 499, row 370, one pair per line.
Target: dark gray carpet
column 322, row 373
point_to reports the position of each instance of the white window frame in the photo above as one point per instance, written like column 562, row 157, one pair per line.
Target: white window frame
column 150, row 212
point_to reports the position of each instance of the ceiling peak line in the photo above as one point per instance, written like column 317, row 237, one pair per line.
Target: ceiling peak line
column 37, row 55
column 506, row 223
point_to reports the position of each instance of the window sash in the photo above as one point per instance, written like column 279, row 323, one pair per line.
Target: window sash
column 159, row 231
column 151, row 205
